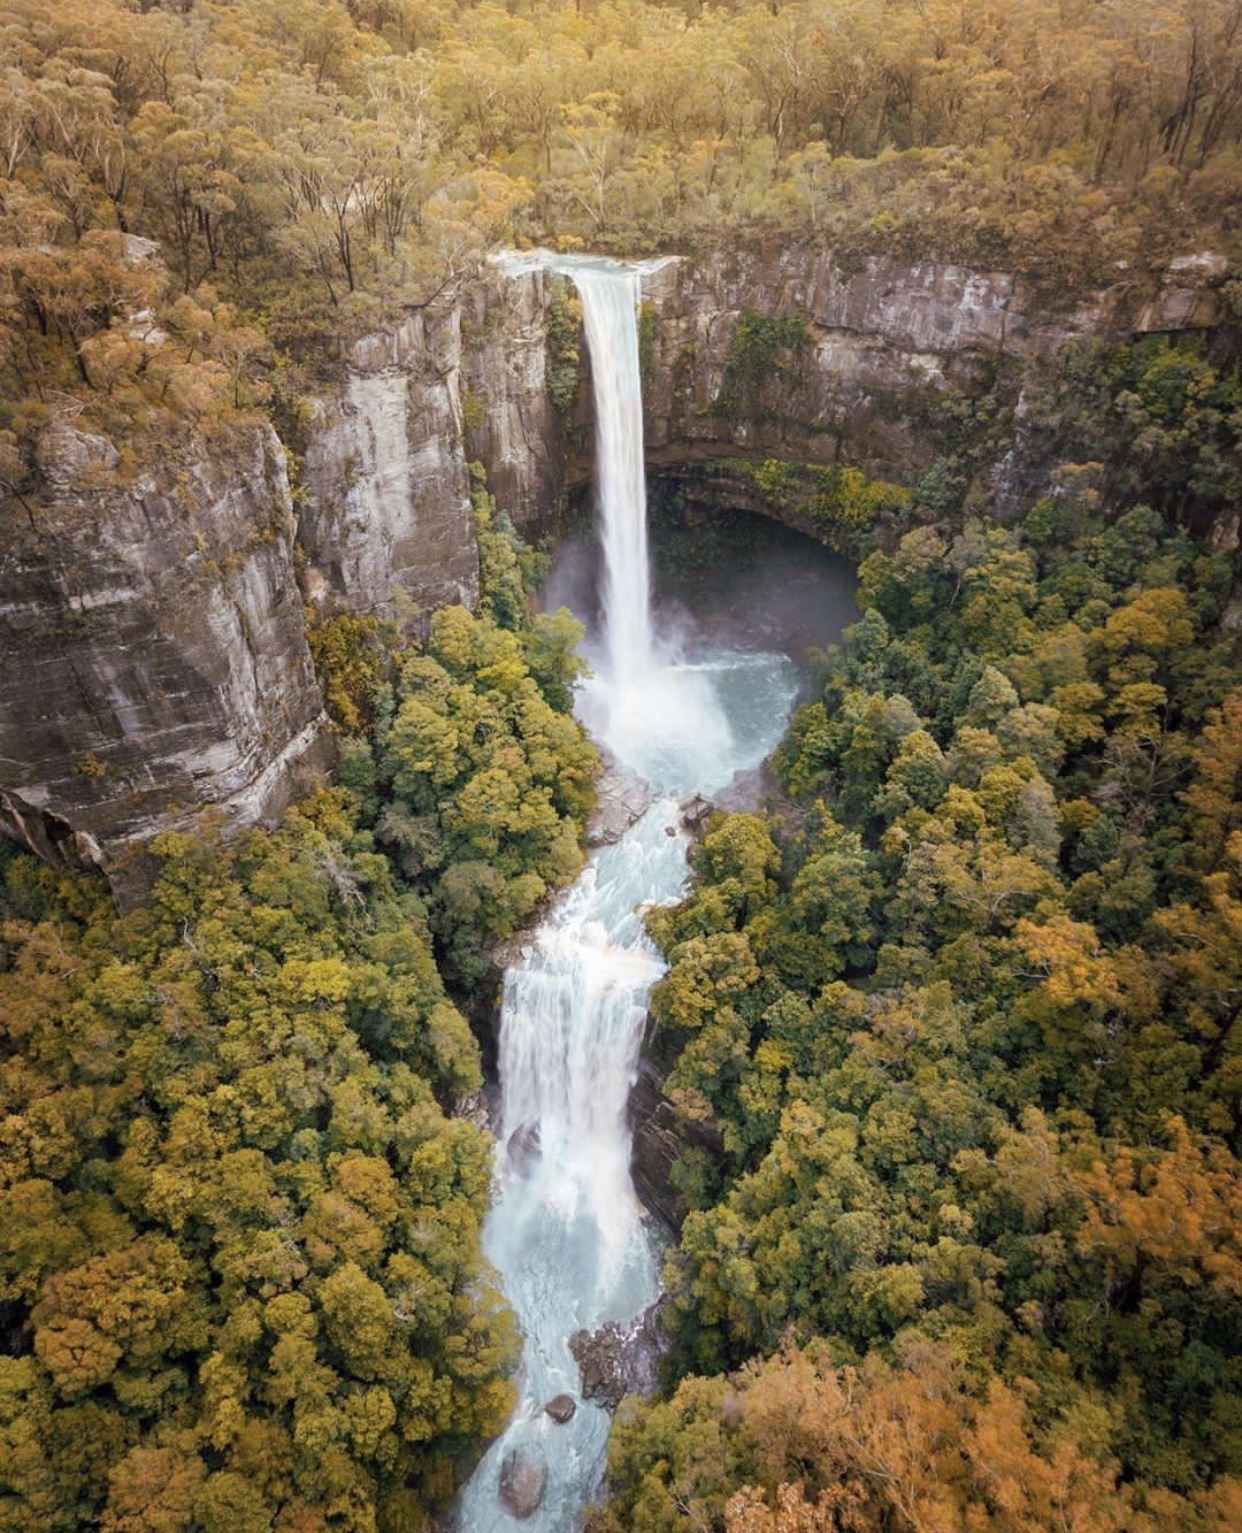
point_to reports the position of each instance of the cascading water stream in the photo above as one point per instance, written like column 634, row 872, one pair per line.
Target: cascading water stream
column 566, row 1232
column 609, row 304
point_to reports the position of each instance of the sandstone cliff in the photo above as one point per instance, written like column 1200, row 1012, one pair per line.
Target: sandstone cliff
column 883, row 342
column 513, row 429
column 387, row 527
column 886, row 344
column 153, row 657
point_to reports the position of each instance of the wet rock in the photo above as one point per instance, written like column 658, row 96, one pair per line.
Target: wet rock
column 561, row 1408
column 695, row 813
column 474, row 1107
column 601, row 1357
column 622, row 798
column 512, row 951
column 524, row 1148
column 616, row 1361
column 747, row 791
column 523, row 1480
column 659, row 1137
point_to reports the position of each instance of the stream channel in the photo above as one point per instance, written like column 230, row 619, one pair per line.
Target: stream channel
column 566, row 1233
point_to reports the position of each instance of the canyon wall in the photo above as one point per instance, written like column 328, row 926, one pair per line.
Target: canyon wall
column 885, row 344
column 153, row 652
column 154, row 602
column 386, row 527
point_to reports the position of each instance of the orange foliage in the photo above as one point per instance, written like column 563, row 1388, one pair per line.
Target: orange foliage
column 1180, row 1209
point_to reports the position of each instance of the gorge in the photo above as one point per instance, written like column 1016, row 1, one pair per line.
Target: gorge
column 877, row 365
column 931, row 1150
column 566, row 1232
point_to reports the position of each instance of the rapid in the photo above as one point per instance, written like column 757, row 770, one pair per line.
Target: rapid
column 566, row 1232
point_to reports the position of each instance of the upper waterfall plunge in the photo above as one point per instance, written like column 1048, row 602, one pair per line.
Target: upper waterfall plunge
column 657, row 716
column 660, row 717
column 609, row 307
column 566, row 1231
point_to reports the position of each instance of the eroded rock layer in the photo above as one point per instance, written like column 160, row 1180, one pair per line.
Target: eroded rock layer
column 153, row 650
column 153, row 654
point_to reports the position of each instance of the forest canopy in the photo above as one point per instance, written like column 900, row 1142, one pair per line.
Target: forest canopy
column 959, row 1006
column 308, row 166
column 240, row 1269
column 961, row 1009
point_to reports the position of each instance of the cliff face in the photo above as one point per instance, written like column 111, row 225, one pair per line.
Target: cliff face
column 387, row 527
column 512, row 427
column 885, row 343
column 153, row 652
column 153, row 657
column 882, row 344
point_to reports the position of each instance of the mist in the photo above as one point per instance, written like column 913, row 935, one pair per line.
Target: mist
column 738, row 582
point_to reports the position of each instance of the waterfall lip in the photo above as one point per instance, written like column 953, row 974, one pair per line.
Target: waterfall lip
column 519, row 263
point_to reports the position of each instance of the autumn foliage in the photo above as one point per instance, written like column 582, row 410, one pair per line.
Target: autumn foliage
column 961, row 1007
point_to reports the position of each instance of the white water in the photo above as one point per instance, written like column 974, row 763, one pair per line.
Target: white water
column 609, row 304
column 566, row 1232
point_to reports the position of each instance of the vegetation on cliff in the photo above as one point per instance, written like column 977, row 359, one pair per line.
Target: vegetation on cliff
column 963, row 1007
column 310, row 166
column 469, row 764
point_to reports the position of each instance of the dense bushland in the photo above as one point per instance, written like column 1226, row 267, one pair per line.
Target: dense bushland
column 241, row 1283
column 308, row 167
column 240, row 1266
column 963, row 1006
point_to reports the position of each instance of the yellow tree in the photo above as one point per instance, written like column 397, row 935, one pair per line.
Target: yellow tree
column 1175, row 1212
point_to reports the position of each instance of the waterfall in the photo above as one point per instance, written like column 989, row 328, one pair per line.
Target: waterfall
column 571, row 1026
column 609, row 315
column 573, row 1015
column 566, row 1232
column 659, row 717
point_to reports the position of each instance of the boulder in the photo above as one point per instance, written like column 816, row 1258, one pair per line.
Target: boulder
column 523, row 1480
column 616, row 1360
column 621, row 798
column 561, row 1408
column 601, row 1357
column 523, row 1148
column 695, row 813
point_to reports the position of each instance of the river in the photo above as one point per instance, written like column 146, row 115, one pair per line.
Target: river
column 566, row 1232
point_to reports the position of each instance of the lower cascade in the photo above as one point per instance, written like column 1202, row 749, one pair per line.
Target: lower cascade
column 566, row 1232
